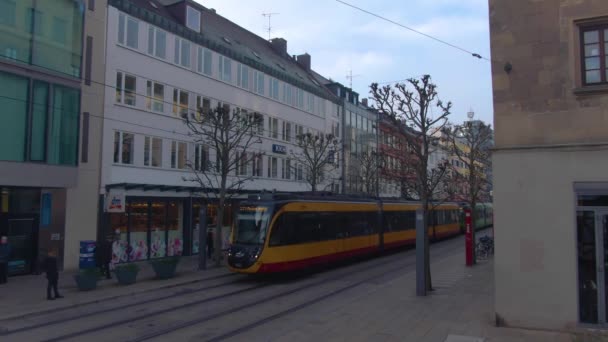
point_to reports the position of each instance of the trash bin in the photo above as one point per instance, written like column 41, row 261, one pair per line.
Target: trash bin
column 87, row 254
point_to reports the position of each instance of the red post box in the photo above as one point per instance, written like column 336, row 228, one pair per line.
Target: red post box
column 468, row 237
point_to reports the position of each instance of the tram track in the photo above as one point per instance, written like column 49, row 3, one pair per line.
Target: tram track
column 285, row 312
column 394, row 264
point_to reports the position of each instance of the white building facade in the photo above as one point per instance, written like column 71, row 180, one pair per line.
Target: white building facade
column 161, row 70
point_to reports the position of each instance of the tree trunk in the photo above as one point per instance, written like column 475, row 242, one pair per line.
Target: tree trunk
column 427, row 254
column 217, row 253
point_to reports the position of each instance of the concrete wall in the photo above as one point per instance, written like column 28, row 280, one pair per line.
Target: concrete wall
column 82, row 200
column 535, row 233
column 539, row 106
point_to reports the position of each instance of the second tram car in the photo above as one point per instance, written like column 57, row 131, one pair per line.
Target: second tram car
column 277, row 233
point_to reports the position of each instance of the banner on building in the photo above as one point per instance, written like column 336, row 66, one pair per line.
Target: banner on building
column 115, row 202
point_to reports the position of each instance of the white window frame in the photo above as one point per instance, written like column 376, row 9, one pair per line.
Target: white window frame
column 179, row 56
column 177, row 103
column 225, row 69
column 149, row 143
column 258, row 166
column 286, row 131
column 273, row 167
column 121, row 92
column 273, row 128
column 123, row 25
column 273, row 88
column 201, row 157
column 204, row 61
column 196, row 26
column 119, row 137
column 153, row 36
column 176, row 148
column 259, row 84
column 286, row 169
column 152, row 103
column 242, row 77
column 200, row 103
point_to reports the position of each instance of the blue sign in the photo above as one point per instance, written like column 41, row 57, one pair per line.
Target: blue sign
column 279, row 149
column 45, row 210
column 87, row 254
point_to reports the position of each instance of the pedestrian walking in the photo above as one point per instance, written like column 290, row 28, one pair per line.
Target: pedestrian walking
column 52, row 274
column 5, row 251
column 103, row 254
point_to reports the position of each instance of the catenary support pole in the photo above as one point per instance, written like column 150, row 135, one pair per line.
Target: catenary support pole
column 420, row 252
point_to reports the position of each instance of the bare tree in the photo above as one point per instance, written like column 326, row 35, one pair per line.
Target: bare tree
column 470, row 143
column 316, row 157
column 232, row 136
column 367, row 169
column 411, row 113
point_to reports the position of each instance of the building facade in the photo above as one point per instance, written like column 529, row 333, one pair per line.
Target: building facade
column 168, row 59
column 44, row 60
column 550, row 84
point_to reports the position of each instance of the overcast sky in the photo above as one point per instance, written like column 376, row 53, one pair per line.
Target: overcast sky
column 340, row 38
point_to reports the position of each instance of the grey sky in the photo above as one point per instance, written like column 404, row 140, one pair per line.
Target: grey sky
column 340, row 38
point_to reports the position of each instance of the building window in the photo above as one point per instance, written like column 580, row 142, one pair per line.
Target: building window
column 258, row 79
column 203, row 107
column 257, row 165
column 273, row 85
column 201, row 157
column 595, row 49
column 225, row 69
column 157, row 42
column 242, row 163
column 59, row 31
column 123, row 147
column 63, row 134
column 287, row 93
column 125, row 88
column 193, row 19
column 243, row 76
column 204, row 61
column 285, row 168
column 273, row 128
column 286, row 131
column 7, row 12
column 299, row 174
column 180, row 102
column 130, row 35
column 155, row 93
column 273, row 164
column 300, row 98
column 182, row 52
column 299, row 130
column 153, row 152
column 178, row 155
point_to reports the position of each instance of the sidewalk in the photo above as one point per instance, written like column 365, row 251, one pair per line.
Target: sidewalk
column 461, row 309
column 25, row 295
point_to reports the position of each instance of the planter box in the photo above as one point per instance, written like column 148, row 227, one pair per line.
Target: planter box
column 86, row 282
column 165, row 268
column 126, row 276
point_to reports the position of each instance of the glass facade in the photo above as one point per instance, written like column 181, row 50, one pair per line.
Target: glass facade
column 46, row 33
column 40, row 125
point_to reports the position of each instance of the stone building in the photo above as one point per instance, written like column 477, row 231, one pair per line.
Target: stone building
column 550, row 80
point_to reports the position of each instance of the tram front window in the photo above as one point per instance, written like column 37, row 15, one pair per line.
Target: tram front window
column 252, row 224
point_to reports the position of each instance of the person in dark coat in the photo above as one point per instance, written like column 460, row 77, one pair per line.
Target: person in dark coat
column 52, row 274
column 5, row 251
column 104, row 256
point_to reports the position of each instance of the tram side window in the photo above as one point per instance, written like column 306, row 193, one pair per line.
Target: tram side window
column 409, row 217
column 330, row 224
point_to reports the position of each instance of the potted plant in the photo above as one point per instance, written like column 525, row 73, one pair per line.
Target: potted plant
column 126, row 274
column 86, row 279
column 165, row 267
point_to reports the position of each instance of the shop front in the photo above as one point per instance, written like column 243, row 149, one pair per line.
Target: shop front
column 149, row 227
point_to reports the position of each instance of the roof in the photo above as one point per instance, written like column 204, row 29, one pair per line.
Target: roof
column 227, row 38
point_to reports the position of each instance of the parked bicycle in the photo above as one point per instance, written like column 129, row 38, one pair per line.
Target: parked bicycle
column 485, row 247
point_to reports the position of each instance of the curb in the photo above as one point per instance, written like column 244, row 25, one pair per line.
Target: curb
column 98, row 300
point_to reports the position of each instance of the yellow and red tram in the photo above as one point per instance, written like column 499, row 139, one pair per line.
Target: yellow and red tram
column 277, row 233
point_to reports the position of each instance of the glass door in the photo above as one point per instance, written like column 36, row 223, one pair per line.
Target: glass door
column 592, row 241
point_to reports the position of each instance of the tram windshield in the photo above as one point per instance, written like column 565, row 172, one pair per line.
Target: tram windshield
column 251, row 225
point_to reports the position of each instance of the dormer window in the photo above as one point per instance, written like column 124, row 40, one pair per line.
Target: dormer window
column 193, row 19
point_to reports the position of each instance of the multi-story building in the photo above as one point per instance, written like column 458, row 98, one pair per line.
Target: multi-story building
column 168, row 58
column 397, row 174
column 48, row 145
column 550, row 84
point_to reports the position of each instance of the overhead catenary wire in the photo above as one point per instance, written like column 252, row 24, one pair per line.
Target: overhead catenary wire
column 473, row 54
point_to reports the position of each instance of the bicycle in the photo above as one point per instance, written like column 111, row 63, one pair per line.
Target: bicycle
column 485, row 247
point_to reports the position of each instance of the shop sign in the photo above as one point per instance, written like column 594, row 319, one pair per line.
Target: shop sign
column 279, row 149
column 115, row 202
